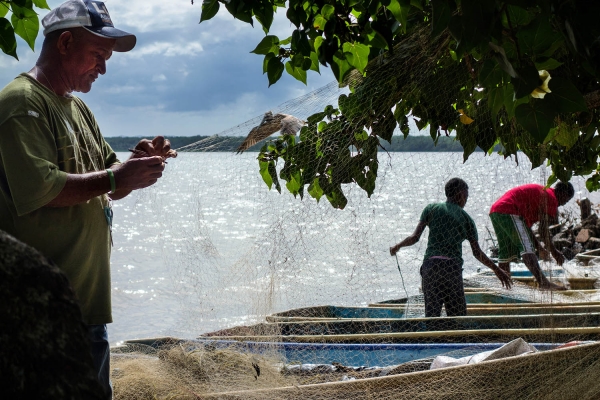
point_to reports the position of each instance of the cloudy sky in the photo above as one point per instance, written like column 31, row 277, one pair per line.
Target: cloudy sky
column 182, row 78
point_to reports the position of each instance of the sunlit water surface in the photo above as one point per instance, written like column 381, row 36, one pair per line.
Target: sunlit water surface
column 209, row 246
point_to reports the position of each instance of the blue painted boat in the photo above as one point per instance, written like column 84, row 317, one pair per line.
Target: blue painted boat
column 566, row 373
column 472, row 297
column 351, row 355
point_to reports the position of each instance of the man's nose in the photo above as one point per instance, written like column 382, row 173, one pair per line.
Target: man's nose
column 101, row 67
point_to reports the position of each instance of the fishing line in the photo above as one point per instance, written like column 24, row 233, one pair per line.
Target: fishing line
column 401, row 277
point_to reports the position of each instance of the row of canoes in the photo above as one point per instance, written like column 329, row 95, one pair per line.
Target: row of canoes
column 381, row 335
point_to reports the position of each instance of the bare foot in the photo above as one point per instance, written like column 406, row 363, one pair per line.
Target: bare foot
column 551, row 286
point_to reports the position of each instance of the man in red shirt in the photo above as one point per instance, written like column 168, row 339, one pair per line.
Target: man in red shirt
column 512, row 217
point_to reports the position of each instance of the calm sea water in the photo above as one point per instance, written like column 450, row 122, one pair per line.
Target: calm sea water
column 209, row 246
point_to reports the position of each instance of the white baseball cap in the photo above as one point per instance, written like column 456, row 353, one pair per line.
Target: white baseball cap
column 90, row 15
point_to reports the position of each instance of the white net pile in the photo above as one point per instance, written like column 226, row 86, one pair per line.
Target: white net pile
column 294, row 298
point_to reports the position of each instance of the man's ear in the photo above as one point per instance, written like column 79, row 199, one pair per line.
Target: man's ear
column 65, row 42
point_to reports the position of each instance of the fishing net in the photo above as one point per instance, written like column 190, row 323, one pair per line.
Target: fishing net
column 274, row 296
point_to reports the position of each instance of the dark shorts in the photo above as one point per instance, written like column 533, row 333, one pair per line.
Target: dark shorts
column 443, row 285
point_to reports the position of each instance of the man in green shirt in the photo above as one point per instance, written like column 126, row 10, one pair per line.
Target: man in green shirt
column 57, row 173
column 441, row 272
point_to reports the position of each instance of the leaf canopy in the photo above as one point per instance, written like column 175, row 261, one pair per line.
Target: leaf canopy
column 463, row 66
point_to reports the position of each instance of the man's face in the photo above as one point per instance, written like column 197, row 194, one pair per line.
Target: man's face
column 464, row 196
column 84, row 59
column 563, row 199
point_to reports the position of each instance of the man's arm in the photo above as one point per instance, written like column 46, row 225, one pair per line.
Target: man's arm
column 544, row 232
column 410, row 240
column 133, row 174
column 141, row 170
column 482, row 258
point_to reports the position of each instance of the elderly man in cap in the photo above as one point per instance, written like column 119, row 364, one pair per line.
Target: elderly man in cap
column 57, row 173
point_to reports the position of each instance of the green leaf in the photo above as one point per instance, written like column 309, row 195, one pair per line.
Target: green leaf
column 537, row 37
column 537, row 118
column 319, row 22
column 593, row 183
column 264, row 172
column 361, row 136
column 8, row 42
column 357, row 55
column 273, row 173
column 552, row 179
column 294, row 184
column 518, row 16
column 3, row 9
column 296, row 72
column 274, row 70
column 377, row 40
column 328, row 11
column 41, row 4
column 314, row 189
column 385, row 126
column 240, row 9
column 314, row 59
column 526, row 80
column 565, row 96
column 300, row 43
column 340, row 68
column 490, row 75
column 209, row 10
column 264, row 15
column 496, row 99
column 441, row 13
column 433, row 132
column 306, row 63
column 400, row 11
column 266, row 62
column 269, row 44
column 502, row 60
column 565, row 135
column 510, row 103
column 549, row 64
column 26, row 24
column 337, row 198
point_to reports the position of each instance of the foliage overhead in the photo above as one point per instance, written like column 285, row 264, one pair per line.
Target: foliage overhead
column 23, row 21
column 519, row 73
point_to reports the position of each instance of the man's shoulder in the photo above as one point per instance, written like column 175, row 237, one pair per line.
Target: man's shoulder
column 17, row 88
column 19, row 96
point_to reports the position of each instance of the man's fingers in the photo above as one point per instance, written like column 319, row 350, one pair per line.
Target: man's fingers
column 158, row 143
column 171, row 154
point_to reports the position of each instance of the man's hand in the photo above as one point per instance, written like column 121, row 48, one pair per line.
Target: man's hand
column 159, row 146
column 394, row 250
column 543, row 254
column 558, row 256
column 138, row 173
column 503, row 276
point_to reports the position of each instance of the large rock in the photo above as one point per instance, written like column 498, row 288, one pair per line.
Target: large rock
column 562, row 243
column 591, row 223
column 44, row 349
column 593, row 244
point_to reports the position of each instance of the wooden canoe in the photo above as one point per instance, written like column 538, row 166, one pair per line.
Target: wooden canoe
column 568, row 373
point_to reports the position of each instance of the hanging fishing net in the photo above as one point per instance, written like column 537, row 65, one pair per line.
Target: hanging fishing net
column 281, row 287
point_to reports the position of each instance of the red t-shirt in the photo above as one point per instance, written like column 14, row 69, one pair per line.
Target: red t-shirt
column 527, row 201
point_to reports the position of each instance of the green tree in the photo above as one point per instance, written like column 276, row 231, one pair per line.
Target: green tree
column 526, row 72
column 23, row 21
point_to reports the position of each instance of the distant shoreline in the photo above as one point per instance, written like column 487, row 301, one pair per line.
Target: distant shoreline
column 231, row 143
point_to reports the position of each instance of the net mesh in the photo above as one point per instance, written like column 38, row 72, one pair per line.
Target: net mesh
column 282, row 297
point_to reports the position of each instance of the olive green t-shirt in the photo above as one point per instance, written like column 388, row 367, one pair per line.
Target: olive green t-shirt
column 449, row 225
column 44, row 137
